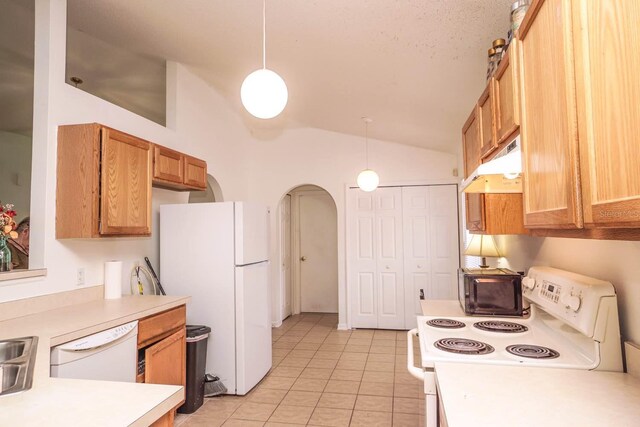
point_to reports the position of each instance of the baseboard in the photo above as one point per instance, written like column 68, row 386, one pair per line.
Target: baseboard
column 342, row 327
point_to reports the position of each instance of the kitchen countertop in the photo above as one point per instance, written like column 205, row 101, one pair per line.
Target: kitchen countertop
column 65, row 402
column 441, row 307
column 488, row 395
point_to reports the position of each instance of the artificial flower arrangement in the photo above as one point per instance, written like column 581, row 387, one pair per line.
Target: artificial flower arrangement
column 7, row 224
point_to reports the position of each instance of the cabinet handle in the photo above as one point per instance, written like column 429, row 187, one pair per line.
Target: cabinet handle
column 419, row 266
column 304, row 258
column 387, row 267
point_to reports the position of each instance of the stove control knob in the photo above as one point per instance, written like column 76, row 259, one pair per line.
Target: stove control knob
column 529, row 282
column 571, row 302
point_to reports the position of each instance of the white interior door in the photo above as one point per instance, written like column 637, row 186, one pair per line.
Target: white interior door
column 431, row 252
column 318, row 252
column 363, row 300
column 389, row 258
column 285, row 254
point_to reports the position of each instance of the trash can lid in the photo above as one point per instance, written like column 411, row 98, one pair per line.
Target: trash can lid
column 197, row 330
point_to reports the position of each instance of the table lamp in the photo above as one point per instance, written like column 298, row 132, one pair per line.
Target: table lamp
column 483, row 246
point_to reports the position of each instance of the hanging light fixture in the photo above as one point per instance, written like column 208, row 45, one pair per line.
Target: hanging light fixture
column 264, row 94
column 368, row 179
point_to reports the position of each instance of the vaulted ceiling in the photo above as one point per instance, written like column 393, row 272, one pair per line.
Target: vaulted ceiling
column 415, row 66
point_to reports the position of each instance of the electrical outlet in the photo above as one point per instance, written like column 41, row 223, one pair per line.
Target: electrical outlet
column 80, row 277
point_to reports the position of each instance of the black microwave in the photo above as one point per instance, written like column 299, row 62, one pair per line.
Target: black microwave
column 490, row 292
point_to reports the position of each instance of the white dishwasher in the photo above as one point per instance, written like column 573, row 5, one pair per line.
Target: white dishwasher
column 109, row 355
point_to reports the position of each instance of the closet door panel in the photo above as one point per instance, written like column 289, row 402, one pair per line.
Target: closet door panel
column 362, row 260
column 389, row 259
column 445, row 242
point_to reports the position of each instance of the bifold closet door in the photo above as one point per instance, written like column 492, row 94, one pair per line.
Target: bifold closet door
column 376, row 260
column 389, row 259
column 362, row 260
column 431, row 250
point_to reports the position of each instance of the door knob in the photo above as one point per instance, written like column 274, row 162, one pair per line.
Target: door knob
column 304, row 258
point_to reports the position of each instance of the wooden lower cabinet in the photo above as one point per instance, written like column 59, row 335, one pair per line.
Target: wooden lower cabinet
column 162, row 351
column 165, row 421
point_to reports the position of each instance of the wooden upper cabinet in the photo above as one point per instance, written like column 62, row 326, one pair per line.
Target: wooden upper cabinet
column 548, row 126
column 488, row 141
column 471, row 143
column 607, row 42
column 168, row 165
column 471, row 149
column 195, row 172
column 103, row 183
column 125, row 190
column 177, row 171
column 505, row 94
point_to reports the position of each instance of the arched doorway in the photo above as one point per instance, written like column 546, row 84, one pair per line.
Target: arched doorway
column 308, row 251
column 213, row 193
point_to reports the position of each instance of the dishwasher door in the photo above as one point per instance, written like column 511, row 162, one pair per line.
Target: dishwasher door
column 109, row 355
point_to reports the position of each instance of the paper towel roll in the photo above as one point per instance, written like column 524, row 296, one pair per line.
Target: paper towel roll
column 112, row 279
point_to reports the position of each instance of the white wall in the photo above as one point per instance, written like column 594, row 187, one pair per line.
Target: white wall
column 330, row 160
column 15, row 172
column 615, row 261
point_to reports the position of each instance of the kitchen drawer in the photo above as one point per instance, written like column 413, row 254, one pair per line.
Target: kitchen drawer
column 158, row 326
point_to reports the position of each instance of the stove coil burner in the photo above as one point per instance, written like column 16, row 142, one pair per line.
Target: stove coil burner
column 463, row 346
column 532, row 351
column 445, row 323
column 500, row 326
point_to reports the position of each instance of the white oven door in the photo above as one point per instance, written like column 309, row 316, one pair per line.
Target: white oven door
column 428, row 376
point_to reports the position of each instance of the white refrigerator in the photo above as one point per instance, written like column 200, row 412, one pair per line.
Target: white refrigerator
column 218, row 254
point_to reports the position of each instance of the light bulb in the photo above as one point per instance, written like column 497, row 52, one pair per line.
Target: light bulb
column 264, row 94
column 511, row 175
column 368, row 180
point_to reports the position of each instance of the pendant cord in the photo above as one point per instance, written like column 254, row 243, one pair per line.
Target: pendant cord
column 366, row 141
column 264, row 34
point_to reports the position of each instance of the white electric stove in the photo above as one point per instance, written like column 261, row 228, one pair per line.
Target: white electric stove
column 573, row 323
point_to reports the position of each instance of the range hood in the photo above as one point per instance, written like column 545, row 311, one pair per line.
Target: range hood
column 502, row 174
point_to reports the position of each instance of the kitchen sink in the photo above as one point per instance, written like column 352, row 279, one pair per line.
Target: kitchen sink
column 17, row 360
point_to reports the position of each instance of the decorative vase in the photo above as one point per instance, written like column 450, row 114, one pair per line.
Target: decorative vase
column 5, row 255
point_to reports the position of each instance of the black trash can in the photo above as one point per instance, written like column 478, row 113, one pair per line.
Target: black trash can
column 197, row 338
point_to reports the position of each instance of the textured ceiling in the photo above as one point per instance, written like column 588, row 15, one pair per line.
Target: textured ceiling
column 414, row 66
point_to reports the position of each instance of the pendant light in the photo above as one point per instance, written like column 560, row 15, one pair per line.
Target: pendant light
column 264, row 93
column 368, row 180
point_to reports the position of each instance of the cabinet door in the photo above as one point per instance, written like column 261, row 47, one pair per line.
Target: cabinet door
column 362, row 261
column 485, row 117
column 471, row 143
column 125, row 202
column 551, row 188
column 165, row 361
column 430, row 240
column 389, row 258
column 475, row 212
column 507, row 119
column 195, row 172
column 167, row 165
column 608, row 89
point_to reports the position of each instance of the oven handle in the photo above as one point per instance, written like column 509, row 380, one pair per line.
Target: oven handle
column 416, row 372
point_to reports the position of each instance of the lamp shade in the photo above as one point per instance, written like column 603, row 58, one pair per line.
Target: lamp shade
column 264, row 94
column 483, row 246
column 368, row 180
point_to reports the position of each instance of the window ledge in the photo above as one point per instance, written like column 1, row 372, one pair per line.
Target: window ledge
column 22, row 274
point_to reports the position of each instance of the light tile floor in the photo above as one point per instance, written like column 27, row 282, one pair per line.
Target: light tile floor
column 325, row 377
